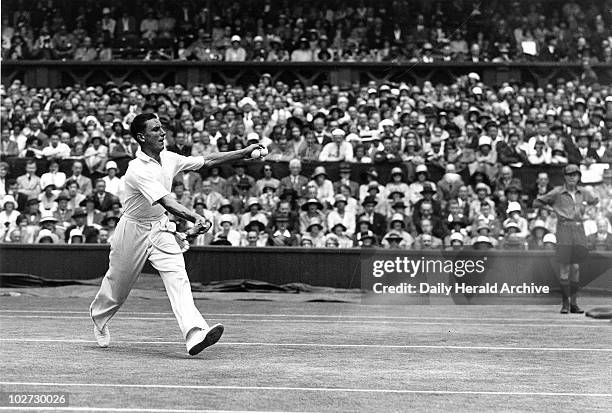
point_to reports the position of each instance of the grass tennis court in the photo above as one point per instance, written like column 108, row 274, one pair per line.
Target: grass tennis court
column 311, row 356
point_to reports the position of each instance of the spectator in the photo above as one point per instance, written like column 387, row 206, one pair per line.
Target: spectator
column 29, row 183
column 125, row 26
column 602, row 239
column 19, row 50
column 8, row 147
column 149, row 26
column 338, row 150
column 56, row 150
column 114, row 185
column 235, row 53
column 108, row 24
column 302, row 53
column 323, row 186
column 87, row 233
column 96, row 155
column 63, row 44
column 103, row 200
column 86, row 52
column 83, row 182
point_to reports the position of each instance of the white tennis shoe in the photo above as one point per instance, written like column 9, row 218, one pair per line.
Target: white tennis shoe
column 102, row 336
column 201, row 339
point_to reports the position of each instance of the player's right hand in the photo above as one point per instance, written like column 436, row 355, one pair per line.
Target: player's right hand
column 201, row 226
column 249, row 150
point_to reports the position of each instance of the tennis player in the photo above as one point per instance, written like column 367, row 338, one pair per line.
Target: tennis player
column 144, row 232
column 569, row 202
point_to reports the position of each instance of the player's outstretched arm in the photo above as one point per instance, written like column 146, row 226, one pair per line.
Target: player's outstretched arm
column 172, row 205
column 218, row 158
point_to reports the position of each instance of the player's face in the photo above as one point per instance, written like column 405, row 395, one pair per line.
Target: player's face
column 154, row 135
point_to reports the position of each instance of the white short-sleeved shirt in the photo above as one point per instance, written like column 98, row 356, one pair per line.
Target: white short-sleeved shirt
column 147, row 181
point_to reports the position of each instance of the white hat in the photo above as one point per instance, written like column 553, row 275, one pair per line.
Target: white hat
column 75, row 232
column 235, row 38
column 483, row 238
column 507, row 89
column 477, row 90
column 258, row 39
column 106, row 10
column 45, row 233
column 226, row 218
column 552, row 238
column 372, row 90
column 511, row 224
column 456, row 236
column 8, row 198
column 246, row 101
column 513, row 206
column 385, row 122
column 338, row 132
column 111, row 165
column 485, row 140
column 253, row 136
column 473, row 75
column 421, row 168
column 397, row 217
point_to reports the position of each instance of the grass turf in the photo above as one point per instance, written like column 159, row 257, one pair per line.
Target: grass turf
column 404, row 351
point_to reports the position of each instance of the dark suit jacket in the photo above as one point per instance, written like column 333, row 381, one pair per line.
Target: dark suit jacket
column 439, row 227
column 131, row 29
column 326, row 139
column 508, row 155
column 379, row 227
column 352, row 184
column 106, row 203
column 591, row 153
column 232, row 182
column 546, row 55
column 21, row 201
column 294, row 222
column 185, row 150
column 299, row 187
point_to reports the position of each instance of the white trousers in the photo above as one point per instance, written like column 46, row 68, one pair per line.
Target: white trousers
column 132, row 244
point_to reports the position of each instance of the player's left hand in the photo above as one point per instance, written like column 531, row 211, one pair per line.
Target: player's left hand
column 249, row 150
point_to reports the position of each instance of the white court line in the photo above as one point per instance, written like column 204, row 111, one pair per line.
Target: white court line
column 317, row 316
column 308, row 389
column 321, row 345
column 587, row 324
column 125, row 409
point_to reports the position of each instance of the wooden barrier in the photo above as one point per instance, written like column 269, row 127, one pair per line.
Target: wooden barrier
column 54, row 73
column 339, row 268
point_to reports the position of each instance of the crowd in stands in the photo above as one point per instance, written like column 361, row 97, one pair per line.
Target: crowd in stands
column 329, row 30
column 478, row 135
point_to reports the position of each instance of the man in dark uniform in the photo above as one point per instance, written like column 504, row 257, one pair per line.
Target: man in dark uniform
column 569, row 202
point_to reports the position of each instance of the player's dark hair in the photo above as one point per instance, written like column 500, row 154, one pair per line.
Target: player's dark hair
column 139, row 124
